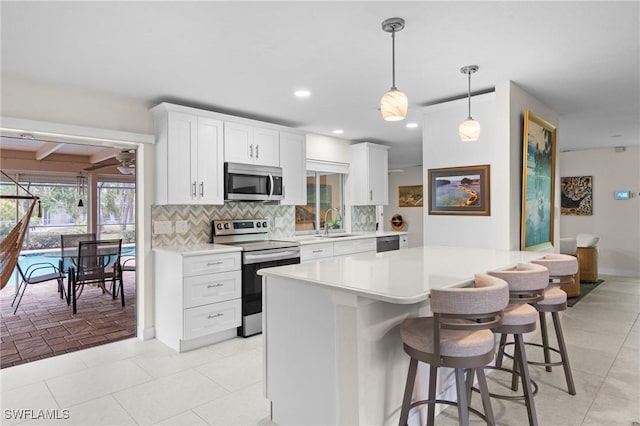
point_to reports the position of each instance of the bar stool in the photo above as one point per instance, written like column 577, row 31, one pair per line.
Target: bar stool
column 527, row 282
column 562, row 269
column 457, row 336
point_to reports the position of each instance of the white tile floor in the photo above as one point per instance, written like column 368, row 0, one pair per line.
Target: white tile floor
column 146, row 383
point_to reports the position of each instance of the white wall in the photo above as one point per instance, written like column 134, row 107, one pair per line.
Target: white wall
column 412, row 215
column 616, row 222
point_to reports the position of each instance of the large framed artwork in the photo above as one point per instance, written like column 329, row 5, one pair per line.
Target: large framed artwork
column 538, row 183
column 410, row 196
column 576, row 195
column 460, row 191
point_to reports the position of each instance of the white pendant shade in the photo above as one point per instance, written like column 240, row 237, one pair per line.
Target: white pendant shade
column 469, row 130
column 393, row 105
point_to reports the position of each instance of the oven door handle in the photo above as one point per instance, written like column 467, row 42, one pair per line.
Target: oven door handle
column 280, row 254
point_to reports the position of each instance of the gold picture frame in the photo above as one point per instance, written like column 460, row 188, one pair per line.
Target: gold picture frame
column 538, row 183
column 410, row 196
column 460, row 191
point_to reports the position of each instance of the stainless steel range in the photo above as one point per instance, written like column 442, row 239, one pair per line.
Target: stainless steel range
column 258, row 252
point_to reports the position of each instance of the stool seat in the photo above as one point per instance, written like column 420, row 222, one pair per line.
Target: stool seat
column 559, row 265
column 418, row 338
column 553, row 296
column 519, row 315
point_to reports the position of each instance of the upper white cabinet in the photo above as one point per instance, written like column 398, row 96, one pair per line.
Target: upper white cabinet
column 251, row 144
column 293, row 154
column 189, row 153
column 369, row 174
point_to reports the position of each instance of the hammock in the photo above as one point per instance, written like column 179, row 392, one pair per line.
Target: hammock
column 11, row 245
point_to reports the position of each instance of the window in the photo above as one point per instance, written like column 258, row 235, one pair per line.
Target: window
column 116, row 215
column 325, row 192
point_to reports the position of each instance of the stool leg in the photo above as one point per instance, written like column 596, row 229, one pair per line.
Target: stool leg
column 526, row 380
column 484, row 395
column 431, row 407
column 516, row 366
column 499, row 357
column 408, row 392
column 563, row 353
column 470, row 376
column 463, row 404
column 545, row 339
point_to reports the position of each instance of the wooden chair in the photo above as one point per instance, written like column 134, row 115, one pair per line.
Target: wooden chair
column 97, row 262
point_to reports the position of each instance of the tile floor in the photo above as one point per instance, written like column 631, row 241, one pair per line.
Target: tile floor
column 44, row 325
column 134, row 382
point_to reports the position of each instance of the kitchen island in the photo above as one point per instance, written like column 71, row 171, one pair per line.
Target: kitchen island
column 333, row 354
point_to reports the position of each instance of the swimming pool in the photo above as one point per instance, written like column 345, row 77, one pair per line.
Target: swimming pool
column 32, row 257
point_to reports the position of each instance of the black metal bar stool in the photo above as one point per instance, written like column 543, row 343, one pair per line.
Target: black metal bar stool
column 562, row 269
column 458, row 336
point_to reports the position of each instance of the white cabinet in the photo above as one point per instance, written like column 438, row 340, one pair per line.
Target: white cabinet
column 248, row 144
column 316, row 251
column 189, row 153
column 404, row 241
column 343, row 248
column 369, row 174
column 198, row 298
column 293, row 160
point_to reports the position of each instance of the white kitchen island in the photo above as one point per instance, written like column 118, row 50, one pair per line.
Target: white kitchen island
column 333, row 354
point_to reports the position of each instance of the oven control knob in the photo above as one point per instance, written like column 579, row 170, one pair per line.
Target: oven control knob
column 264, row 224
column 226, row 226
column 258, row 224
column 219, row 226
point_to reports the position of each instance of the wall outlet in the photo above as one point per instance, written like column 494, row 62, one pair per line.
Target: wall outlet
column 162, row 227
column 181, row 227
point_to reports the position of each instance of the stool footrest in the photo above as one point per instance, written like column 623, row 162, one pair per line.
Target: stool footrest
column 548, row 364
column 534, row 385
column 445, row 401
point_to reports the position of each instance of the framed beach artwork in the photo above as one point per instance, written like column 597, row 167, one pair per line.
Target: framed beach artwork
column 410, row 196
column 576, row 195
column 538, row 183
column 460, row 191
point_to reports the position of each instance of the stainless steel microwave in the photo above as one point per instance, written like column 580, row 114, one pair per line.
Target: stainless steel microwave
column 247, row 182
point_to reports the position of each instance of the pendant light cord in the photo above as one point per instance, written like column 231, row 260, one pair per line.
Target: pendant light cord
column 469, row 93
column 393, row 60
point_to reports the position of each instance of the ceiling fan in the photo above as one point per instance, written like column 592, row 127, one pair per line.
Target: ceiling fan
column 126, row 163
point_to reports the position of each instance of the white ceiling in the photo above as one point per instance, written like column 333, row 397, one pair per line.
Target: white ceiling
column 580, row 58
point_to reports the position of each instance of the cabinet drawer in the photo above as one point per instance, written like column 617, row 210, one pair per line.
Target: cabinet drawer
column 211, row 263
column 212, row 288
column 316, row 251
column 341, row 248
column 211, row 318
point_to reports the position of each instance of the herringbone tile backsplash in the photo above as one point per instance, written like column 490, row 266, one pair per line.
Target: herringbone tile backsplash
column 199, row 219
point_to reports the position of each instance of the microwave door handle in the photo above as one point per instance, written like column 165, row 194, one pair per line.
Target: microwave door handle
column 270, row 185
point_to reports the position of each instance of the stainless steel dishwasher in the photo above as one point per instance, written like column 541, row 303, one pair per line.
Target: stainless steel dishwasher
column 388, row 243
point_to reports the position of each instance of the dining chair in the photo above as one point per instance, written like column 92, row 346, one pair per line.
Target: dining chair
column 69, row 245
column 29, row 277
column 97, row 263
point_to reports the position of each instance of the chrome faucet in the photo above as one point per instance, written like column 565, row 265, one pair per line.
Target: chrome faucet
column 326, row 215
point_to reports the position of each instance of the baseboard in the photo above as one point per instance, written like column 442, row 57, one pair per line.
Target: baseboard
column 147, row 333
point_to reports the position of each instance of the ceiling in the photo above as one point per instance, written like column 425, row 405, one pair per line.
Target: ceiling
column 580, row 58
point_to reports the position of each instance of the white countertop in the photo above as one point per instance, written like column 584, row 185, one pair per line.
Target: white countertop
column 401, row 276
column 199, row 249
column 342, row 236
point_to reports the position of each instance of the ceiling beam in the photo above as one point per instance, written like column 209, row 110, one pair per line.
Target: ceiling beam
column 47, row 149
column 102, row 155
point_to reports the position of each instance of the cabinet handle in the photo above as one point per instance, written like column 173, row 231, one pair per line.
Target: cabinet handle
column 215, row 316
column 251, row 151
column 257, row 152
column 202, row 189
column 316, row 251
column 214, row 263
column 371, row 195
column 193, row 191
column 214, row 285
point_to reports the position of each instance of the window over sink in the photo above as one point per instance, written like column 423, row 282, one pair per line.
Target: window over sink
column 325, row 193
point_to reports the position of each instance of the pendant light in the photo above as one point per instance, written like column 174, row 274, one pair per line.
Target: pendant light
column 469, row 129
column 393, row 104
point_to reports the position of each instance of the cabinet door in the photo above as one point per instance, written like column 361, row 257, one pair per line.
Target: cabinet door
column 181, row 148
column 293, row 153
column 209, row 160
column 266, row 147
column 315, row 251
column 238, row 143
column 378, row 176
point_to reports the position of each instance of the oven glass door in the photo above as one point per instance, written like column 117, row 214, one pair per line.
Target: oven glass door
column 252, row 284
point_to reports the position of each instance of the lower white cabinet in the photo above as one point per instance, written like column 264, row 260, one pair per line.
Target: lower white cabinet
column 198, row 298
column 404, row 241
column 316, row 251
column 309, row 252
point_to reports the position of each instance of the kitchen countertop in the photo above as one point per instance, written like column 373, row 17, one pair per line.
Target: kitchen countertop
column 199, row 249
column 401, row 276
column 340, row 236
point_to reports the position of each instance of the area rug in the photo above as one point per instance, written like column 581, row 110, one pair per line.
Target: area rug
column 585, row 288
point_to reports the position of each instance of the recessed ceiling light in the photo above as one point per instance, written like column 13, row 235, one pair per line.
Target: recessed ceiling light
column 302, row 93
column 412, row 125
column 338, row 131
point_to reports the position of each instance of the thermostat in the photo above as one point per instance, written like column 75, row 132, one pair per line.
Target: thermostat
column 622, row 195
